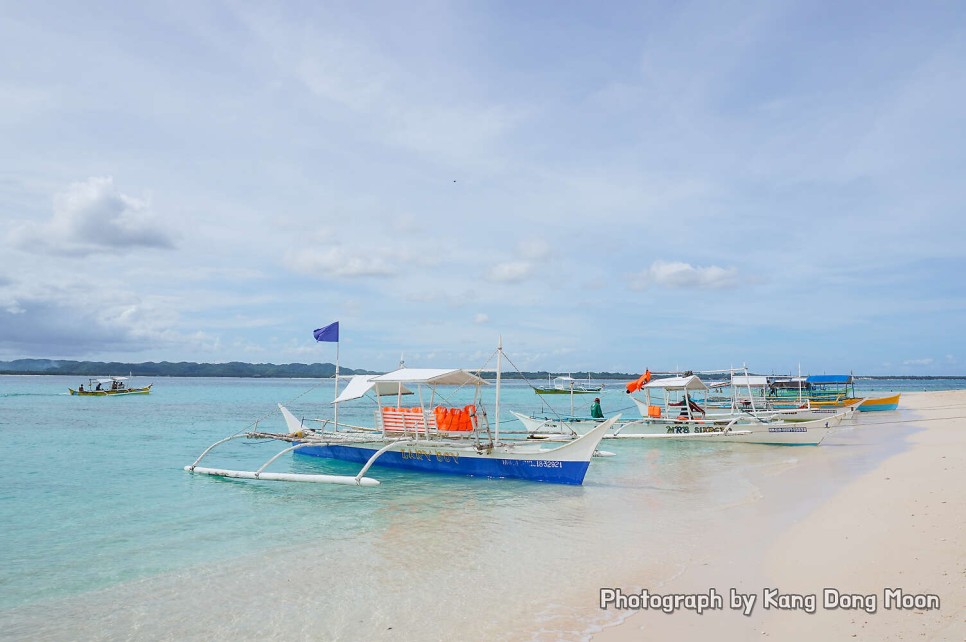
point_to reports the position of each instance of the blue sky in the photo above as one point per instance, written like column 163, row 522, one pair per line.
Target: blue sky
column 608, row 187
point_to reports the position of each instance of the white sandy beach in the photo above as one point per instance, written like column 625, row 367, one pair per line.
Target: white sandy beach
column 902, row 525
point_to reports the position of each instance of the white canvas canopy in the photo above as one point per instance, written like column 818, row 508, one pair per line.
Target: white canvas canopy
column 360, row 385
column 431, row 376
column 755, row 381
column 692, row 382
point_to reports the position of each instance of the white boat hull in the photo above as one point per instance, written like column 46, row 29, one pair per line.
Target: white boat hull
column 739, row 429
column 749, row 431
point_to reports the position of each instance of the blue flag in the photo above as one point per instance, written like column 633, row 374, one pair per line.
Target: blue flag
column 328, row 333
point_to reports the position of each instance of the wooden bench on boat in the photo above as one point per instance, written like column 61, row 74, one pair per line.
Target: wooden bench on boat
column 440, row 420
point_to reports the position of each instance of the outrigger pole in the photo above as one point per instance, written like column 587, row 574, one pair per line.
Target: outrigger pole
column 358, row 479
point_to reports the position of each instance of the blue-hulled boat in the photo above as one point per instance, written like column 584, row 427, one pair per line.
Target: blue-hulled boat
column 429, row 437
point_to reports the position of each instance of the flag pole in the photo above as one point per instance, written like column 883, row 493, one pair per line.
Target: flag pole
column 330, row 333
column 336, row 394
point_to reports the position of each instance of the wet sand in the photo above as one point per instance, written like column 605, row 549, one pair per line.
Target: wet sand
column 895, row 530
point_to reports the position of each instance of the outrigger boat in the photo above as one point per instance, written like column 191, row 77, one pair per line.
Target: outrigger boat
column 539, row 426
column 428, row 437
column 749, row 394
column 567, row 385
column 832, row 392
column 110, row 386
column 543, row 426
column 874, row 404
column 678, row 416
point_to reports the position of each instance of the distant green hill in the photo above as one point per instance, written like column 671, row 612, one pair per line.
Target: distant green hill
column 280, row 371
column 232, row 369
column 33, row 366
column 179, row 369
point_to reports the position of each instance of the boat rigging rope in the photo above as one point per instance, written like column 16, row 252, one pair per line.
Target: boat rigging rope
column 254, row 425
column 533, row 387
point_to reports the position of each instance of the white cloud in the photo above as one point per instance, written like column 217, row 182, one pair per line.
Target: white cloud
column 535, row 249
column 91, row 217
column 510, row 272
column 10, row 305
column 340, row 262
column 74, row 321
column 926, row 361
column 415, row 107
column 481, row 318
column 683, row 275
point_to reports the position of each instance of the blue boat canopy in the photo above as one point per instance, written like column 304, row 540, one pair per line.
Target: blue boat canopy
column 827, row 379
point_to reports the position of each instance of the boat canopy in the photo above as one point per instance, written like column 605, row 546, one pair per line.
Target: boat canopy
column 360, row 385
column 431, row 376
column 692, row 382
column 755, row 381
column 110, row 379
column 829, row 379
column 569, row 379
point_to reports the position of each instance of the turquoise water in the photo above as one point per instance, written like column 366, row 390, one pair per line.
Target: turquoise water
column 101, row 524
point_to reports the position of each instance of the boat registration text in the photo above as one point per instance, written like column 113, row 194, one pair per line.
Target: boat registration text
column 427, row 455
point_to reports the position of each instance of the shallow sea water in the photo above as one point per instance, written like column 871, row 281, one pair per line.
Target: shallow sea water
column 105, row 536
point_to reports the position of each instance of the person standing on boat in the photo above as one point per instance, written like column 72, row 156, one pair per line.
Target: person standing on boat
column 595, row 410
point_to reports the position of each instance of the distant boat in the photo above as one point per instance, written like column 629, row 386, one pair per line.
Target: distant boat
column 838, row 391
column 108, row 387
column 880, row 403
column 567, row 385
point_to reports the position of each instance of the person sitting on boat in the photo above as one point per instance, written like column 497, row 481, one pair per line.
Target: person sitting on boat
column 695, row 408
column 595, row 410
column 81, row 389
column 98, row 385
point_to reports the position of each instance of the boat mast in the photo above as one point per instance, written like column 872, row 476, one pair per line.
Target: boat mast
column 402, row 364
column 754, row 410
column 571, row 396
column 499, row 367
column 800, row 383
